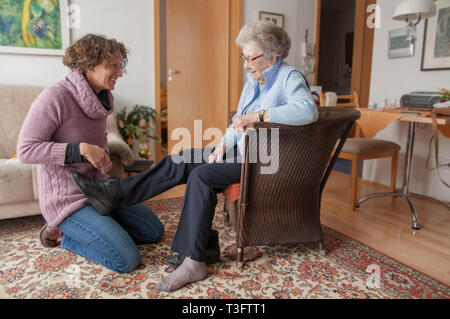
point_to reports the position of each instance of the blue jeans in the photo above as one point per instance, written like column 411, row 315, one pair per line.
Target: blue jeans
column 111, row 240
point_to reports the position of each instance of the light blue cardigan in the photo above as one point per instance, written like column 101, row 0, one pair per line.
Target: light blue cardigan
column 286, row 96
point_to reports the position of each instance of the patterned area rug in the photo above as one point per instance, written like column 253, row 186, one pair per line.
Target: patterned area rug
column 349, row 270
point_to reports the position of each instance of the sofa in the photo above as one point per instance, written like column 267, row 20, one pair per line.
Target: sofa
column 18, row 181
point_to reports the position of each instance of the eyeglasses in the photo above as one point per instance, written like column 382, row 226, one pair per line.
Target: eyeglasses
column 250, row 60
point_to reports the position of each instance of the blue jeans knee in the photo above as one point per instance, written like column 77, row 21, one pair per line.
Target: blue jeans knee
column 101, row 239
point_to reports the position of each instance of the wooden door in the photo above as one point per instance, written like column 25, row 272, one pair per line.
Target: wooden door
column 198, row 53
column 362, row 52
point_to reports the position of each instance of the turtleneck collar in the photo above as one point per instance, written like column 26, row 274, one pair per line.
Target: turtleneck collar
column 85, row 96
column 268, row 74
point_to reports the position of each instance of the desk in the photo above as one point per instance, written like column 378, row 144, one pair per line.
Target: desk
column 423, row 117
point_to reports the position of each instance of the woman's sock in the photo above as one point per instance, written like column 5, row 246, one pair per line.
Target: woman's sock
column 189, row 271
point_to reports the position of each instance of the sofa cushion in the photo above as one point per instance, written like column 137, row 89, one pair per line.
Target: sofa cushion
column 15, row 101
column 16, row 182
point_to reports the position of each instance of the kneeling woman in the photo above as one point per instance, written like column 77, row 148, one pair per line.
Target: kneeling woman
column 64, row 132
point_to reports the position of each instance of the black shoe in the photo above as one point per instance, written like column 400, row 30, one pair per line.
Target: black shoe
column 105, row 195
column 212, row 252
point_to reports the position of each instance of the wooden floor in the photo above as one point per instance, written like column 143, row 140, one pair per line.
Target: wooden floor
column 385, row 225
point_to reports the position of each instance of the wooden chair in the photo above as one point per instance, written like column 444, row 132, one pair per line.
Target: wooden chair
column 351, row 100
column 284, row 207
column 359, row 148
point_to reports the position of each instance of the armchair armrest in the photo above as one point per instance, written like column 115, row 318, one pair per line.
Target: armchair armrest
column 118, row 146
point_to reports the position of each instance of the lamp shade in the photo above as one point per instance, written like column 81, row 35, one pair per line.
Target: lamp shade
column 411, row 9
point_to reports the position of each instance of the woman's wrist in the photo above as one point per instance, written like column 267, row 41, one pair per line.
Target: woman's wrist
column 255, row 117
column 83, row 148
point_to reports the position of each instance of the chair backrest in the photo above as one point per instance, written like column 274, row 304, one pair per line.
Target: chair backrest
column 272, row 204
column 349, row 100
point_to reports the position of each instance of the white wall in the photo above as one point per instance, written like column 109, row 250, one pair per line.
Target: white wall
column 299, row 15
column 390, row 79
column 130, row 22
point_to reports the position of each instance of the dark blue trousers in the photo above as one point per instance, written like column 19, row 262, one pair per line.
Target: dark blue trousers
column 204, row 180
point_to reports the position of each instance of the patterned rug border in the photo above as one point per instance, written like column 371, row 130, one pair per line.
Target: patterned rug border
column 412, row 271
column 392, row 259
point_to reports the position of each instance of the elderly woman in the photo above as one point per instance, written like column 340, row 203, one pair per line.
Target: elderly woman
column 64, row 132
column 275, row 92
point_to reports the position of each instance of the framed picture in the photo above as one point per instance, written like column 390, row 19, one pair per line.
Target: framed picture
column 275, row 18
column 34, row 27
column 436, row 48
column 399, row 44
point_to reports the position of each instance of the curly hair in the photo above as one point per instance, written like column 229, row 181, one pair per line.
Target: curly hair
column 91, row 50
column 267, row 36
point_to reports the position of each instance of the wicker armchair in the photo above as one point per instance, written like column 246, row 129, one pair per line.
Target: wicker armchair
column 284, row 207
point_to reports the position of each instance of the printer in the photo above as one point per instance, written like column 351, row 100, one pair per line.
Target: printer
column 420, row 100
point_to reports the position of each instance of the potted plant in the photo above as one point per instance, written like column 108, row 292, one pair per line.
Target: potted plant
column 138, row 125
column 445, row 94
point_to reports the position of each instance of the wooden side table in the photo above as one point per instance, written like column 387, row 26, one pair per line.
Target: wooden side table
column 137, row 167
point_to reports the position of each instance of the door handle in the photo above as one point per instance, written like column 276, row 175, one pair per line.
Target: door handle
column 172, row 72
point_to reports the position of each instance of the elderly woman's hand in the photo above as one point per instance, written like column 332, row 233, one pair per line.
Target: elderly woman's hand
column 218, row 152
column 96, row 156
column 241, row 123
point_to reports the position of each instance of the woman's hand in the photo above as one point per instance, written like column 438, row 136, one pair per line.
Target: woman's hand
column 217, row 155
column 96, row 156
column 241, row 123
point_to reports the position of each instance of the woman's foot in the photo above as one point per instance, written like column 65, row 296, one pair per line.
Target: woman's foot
column 45, row 240
column 189, row 271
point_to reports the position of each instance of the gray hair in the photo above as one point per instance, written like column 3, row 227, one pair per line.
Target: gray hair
column 267, row 36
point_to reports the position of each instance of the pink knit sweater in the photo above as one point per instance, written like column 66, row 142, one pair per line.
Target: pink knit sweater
column 66, row 112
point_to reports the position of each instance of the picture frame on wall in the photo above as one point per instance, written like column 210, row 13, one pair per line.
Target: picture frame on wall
column 436, row 48
column 34, row 27
column 275, row 18
column 400, row 45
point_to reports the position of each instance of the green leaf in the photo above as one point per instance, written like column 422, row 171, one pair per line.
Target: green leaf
column 131, row 120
